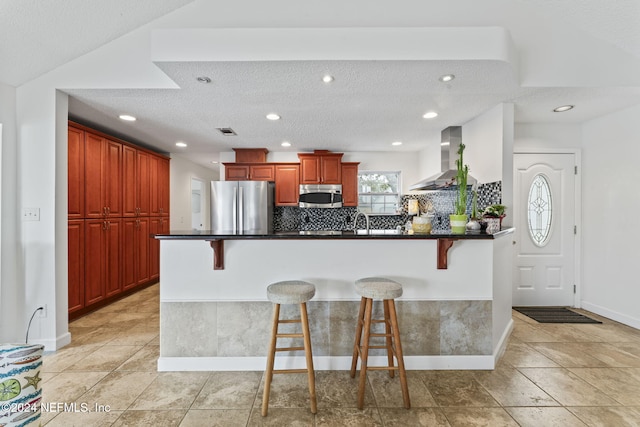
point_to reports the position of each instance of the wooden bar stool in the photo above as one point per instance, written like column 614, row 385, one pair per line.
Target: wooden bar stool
column 386, row 290
column 290, row 292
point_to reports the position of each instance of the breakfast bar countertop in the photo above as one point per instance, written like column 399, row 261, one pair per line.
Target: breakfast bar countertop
column 322, row 235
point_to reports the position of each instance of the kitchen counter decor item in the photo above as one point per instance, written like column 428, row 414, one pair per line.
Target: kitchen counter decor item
column 474, row 226
column 493, row 215
column 458, row 219
column 421, row 224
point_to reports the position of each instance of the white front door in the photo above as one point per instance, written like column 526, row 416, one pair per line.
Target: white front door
column 545, row 218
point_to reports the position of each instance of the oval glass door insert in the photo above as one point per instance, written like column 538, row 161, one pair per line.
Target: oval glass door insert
column 540, row 212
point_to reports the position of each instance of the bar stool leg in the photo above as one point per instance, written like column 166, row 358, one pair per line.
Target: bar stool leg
column 358, row 338
column 398, row 345
column 365, row 353
column 309, row 357
column 268, row 376
column 388, row 340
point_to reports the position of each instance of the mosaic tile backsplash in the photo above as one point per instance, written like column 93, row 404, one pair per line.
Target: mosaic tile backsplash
column 440, row 202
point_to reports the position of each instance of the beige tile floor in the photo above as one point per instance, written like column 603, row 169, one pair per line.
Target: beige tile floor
column 550, row 375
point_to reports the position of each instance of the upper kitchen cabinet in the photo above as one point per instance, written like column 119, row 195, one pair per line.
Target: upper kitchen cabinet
column 320, row 167
column 102, row 177
column 350, row 184
column 249, row 172
column 159, row 186
column 287, row 177
column 75, row 181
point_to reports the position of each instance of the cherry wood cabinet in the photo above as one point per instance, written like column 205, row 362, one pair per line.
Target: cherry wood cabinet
column 156, row 226
column 75, row 234
column 250, row 172
column 287, row 179
column 350, row 184
column 103, row 177
column 75, row 181
column 102, row 259
column 322, row 168
column 118, row 189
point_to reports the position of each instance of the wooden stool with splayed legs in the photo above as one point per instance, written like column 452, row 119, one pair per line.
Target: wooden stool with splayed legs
column 386, row 290
column 290, row 292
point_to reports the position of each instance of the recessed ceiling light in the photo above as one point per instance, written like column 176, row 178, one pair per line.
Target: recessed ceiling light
column 396, row 143
column 213, row 162
column 127, row 118
column 447, row 78
column 430, row 115
column 563, row 108
column 180, row 144
column 273, row 116
column 203, row 79
column 327, row 78
column 286, row 144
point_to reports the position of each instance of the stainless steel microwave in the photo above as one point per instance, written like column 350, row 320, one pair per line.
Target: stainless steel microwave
column 320, row 196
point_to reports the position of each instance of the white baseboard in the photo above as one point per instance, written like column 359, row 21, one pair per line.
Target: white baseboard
column 502, row 344
column 54, row 344
column 321, row 363
column 613, row 315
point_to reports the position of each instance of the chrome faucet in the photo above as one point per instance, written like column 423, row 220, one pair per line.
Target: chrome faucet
column 355, row 221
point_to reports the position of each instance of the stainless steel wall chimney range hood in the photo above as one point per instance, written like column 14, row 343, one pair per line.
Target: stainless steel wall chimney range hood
column 450, row 140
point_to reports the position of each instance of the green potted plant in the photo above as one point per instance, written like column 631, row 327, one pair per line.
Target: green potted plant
column 474, row 225
column 493, row 215
column 458, row 219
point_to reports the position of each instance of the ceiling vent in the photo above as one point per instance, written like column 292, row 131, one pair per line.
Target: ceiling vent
column 227, row 131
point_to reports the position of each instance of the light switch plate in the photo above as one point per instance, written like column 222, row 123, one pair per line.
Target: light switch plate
column 31, row 214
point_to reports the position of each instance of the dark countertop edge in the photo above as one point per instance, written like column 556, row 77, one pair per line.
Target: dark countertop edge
column 347, row 235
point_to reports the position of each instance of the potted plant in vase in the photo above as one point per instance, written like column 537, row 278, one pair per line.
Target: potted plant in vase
column 458, row 219
column 493, row 215
column 474, row 225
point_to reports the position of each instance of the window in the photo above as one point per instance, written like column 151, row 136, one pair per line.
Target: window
column 540, row 210
column 378, row 191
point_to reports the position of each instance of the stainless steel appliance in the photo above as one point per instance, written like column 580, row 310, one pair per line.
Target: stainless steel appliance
column 320, row 196
column 242, row 207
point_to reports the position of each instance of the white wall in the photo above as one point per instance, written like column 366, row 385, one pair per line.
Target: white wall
column 549, row 136
column 611, row 202
column 11, row 291
column 181, row 172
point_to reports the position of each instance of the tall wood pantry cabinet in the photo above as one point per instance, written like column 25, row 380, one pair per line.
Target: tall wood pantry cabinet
column 118, row 196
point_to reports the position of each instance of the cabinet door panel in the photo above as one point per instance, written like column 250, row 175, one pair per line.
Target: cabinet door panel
column 309, row 169
column 129, row 186
column 331, row 171
column 287, row 179
column 113, row 178
column 155, row 227
column 94, row 184
column 236, row 172
column 129, row 233
column 94, row 271
column 350, row 184
column 113, row 259
column 261, row 173
column 75, row 173
column 154, row 189
column 75, row 233
column 143, row 200
column 142, row 251
column 164, row 183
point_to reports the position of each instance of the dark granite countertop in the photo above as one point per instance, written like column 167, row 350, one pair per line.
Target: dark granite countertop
column 319, row 235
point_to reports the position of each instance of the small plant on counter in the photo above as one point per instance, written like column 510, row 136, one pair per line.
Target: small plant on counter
column 474, row 205
column 494, row 211
column 461, row 181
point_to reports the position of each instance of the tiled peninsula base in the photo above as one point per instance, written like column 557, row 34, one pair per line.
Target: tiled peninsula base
column 219, row 319
column 234, row 335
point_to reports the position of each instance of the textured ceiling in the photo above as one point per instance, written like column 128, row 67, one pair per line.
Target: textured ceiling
column 369, row 105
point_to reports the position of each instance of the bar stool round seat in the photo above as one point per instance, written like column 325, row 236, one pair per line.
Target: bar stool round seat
column 378, row 288
column 290, row 292
column 387, row 290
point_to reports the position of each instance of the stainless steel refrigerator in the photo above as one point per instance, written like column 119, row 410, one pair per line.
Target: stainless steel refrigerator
column 242, row 207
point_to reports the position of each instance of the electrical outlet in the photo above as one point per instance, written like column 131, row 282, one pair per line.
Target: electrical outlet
column 31, row 214
column 43, row 313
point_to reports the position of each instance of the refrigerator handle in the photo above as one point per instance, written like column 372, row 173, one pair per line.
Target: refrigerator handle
column 235, row 209
column 241, row 208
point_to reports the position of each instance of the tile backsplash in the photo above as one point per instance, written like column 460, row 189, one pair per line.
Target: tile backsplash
column 441, row 202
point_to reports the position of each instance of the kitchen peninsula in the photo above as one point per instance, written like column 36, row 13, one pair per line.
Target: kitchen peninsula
column 452, row 316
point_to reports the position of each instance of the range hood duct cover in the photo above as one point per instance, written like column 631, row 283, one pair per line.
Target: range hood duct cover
column 450, row 140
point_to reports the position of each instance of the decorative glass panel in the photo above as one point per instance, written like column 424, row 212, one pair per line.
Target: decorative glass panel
column 540, row 212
